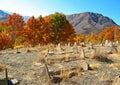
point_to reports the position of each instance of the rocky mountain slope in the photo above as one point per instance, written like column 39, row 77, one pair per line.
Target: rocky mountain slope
column 88, row 21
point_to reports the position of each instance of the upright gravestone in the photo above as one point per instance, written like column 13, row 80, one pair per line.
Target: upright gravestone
column 68, row 44
column 82, row 54
column 101, row 45
column 110, row 44
column 117, row 42
column 58, row 47
column 106, row 42
column 75, row 44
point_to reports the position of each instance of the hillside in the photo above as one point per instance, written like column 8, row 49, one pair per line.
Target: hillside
column 88, row 21
column 4, row 15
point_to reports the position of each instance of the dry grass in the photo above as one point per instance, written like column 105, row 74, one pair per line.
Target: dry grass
column 116, row 81
column 115, row 66
column 2, row 67
column 19, row 46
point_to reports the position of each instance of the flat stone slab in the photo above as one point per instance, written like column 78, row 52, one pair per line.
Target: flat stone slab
column 51, row 59
column 67, row 66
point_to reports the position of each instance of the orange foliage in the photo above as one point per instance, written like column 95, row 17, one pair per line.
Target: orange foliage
column 37, row 31
column 5, row 41
column 16, row 22
column 79, row 38
column 110, row 33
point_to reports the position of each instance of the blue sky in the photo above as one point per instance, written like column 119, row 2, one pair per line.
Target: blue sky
column 110, row 8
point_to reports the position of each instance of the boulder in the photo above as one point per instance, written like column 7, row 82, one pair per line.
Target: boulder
column 84, row 65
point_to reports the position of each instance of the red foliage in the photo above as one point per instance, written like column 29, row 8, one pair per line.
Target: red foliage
column 5, row 41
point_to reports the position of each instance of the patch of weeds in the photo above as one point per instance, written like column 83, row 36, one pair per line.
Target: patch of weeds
column 103, row 58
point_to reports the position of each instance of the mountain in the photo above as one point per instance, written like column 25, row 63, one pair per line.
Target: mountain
column 88, row 22
column 3, row 16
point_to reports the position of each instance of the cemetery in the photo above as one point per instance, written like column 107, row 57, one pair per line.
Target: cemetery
column 70, row 64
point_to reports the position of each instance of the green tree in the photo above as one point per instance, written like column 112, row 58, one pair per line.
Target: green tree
column 62, row 29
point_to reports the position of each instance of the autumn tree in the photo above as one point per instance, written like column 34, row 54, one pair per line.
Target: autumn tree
column 29, row 31
column 92, row 38
column 5, row 41
column 16, row 22
column 109, row 33
column 79, row 38
column 62, row 29
column 37, row 31
column 44, row 30
column 4, row 27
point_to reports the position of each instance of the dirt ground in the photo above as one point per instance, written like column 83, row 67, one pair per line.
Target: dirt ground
column 22, row 66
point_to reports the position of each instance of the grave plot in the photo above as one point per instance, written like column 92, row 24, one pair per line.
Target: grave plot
column 64, row 64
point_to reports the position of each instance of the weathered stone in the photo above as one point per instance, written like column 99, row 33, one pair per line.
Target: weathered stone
column 58, row 48
column 92, row 54
column 84, row 65
column 116, row 81
column 106, row 42
column 75, row 44
column 82, row 54
column 14, row 81
column 101, row 44
column 118, row 49
column 68, row 45
column 117, row 42
column 46, row 73
column 110, row 44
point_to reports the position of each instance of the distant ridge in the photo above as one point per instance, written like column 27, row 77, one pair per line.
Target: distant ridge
column 88, row 22
column 85, row 23
column 4, row 16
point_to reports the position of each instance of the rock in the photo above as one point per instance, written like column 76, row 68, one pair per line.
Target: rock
column 116, row 81
column 46, row 73
column 14, row 81
column 90, row 53
column 106, row 42
column 118, row 49
column 94, row 66
column 58, row 48
column 101, row 44
column 84, row 65
column 75, row 44
column 82, row 54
